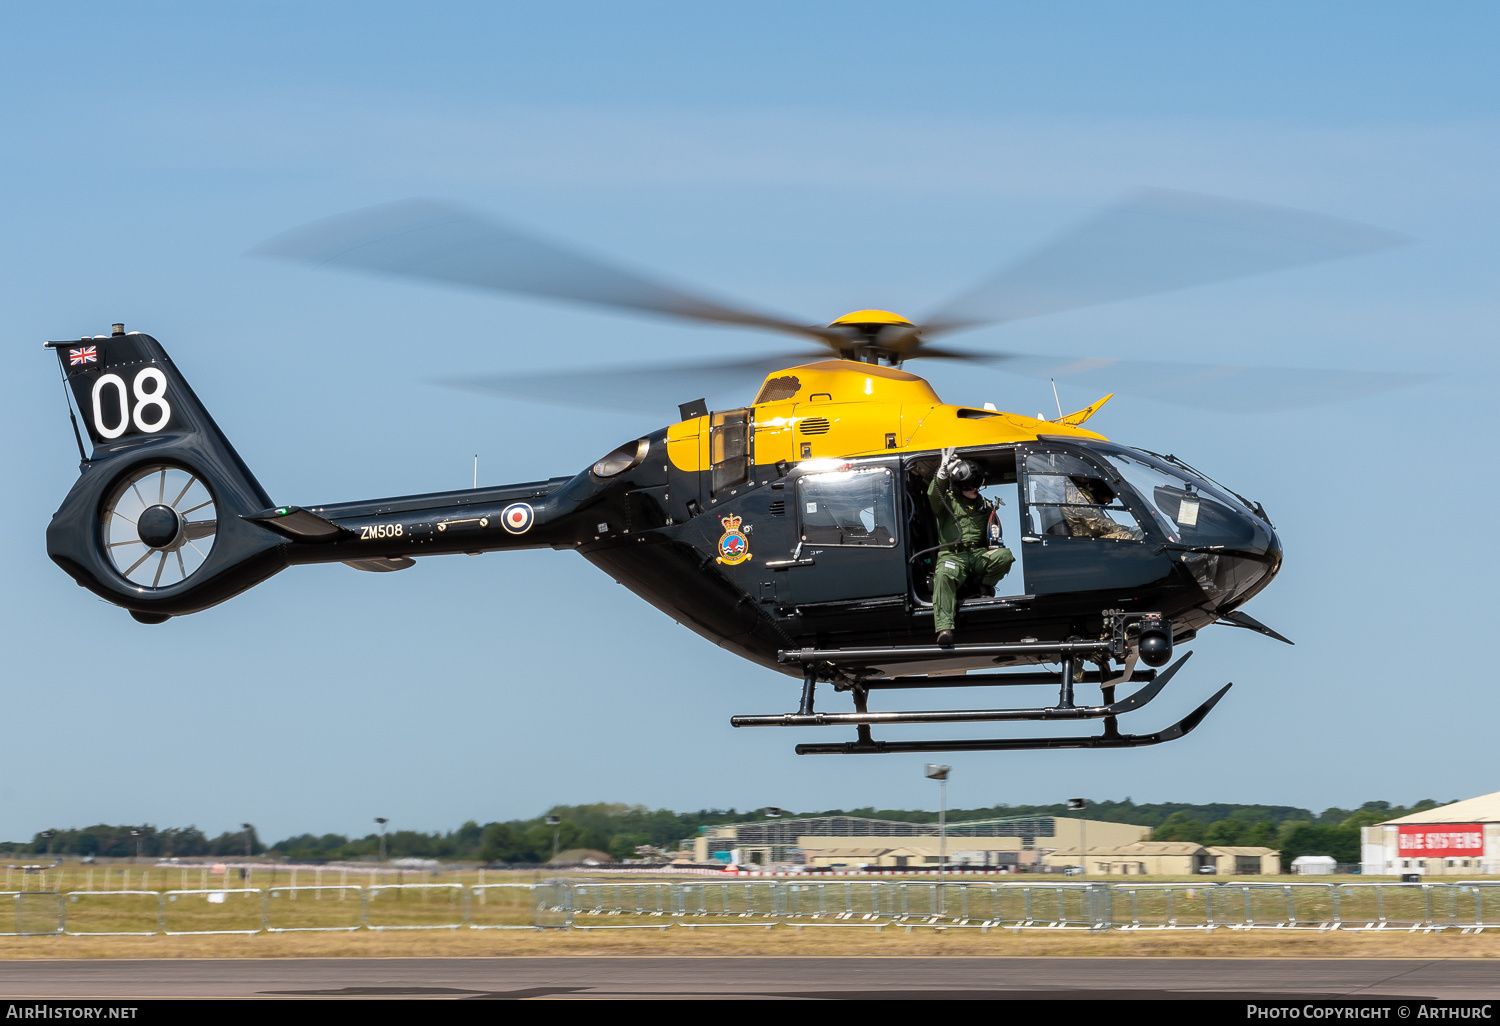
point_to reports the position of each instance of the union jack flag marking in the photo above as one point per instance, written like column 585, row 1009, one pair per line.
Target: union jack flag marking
column 78, row 357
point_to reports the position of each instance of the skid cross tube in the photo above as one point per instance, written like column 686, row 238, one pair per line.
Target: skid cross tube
column 1060, row 712
column 975, row 680
column 1106, row 740
column 1065, row 693
column 809, row 689
column 862, row 715
column 843, row 656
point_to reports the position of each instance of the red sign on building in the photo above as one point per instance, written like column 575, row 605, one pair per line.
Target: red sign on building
column 1440, row 839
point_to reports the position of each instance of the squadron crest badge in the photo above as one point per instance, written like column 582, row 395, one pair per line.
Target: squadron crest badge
column 734, row 547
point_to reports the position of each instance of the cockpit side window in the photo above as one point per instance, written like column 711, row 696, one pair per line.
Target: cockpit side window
column 1061, row 463
column 848, row 507
column 1068, row 497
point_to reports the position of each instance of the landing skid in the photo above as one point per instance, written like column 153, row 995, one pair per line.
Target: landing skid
column 1055, row 712
column 830, row 662
column 1014, row 744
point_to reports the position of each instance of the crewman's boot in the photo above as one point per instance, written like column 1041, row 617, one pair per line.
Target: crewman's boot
column 945, row 639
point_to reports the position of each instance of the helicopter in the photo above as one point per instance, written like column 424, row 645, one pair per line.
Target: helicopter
column 792, row 530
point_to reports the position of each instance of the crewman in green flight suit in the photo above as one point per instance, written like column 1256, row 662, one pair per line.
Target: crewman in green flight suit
column 969, row 533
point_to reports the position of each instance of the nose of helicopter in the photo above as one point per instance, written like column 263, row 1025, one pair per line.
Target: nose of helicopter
column 1233, row 556
column 1225, row 543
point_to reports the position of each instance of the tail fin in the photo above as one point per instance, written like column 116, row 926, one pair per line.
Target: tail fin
column 154, row 521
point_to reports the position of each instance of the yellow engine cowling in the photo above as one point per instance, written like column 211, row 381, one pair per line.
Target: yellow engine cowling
column 844, row 408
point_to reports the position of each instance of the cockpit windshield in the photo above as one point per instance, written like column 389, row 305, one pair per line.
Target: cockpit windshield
column 1186, row 507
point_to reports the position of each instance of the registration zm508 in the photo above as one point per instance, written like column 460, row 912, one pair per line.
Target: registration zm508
column 374, row 532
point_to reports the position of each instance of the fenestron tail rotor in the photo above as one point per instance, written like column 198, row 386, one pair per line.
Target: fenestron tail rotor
column 158, row 526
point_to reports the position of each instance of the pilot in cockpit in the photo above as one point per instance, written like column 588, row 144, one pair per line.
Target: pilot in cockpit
column 1085, row 519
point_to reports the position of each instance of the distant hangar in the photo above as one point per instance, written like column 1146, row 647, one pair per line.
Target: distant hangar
column 1450, row 840
column 852, row 841
column 856, row 842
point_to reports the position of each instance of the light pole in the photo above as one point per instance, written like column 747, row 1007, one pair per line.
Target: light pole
column 136, row 833
column 382, row 821
column 1078, row 805
column 772, row 812
column 249, row 836
column 555, row 822
column 49, row 834
column 940, row 774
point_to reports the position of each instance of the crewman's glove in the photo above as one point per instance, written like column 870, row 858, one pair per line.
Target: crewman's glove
column 950, row 457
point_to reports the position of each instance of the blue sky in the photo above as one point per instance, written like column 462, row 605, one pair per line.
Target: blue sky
column 810, row 158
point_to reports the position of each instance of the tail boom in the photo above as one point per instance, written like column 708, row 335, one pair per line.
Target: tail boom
column 166, row 519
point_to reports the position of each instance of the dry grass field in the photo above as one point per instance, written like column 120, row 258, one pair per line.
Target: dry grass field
column 892, row 941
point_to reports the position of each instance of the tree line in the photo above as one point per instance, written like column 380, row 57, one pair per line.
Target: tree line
column 124, row 841
column 1336, row 832
column 619, row 830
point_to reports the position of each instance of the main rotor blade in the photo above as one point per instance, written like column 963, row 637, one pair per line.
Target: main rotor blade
column 440, row 242
column 1237, row 389
column 1157, row 241
column 1226, row 387
column 659, row 389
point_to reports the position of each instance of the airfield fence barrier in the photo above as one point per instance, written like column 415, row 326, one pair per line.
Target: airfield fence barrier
column 37, row 913
column 1467, row 906
column 313, row 909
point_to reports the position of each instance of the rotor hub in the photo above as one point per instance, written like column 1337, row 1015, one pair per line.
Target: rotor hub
column 876, row 336
column 158, row 526
column 870, row 319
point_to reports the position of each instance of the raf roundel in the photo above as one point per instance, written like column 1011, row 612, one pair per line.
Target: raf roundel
column 517, row 518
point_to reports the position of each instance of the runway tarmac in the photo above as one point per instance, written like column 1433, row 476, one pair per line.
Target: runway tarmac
column 764, row 978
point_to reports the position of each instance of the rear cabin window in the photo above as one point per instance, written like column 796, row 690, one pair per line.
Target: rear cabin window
column 848, row 507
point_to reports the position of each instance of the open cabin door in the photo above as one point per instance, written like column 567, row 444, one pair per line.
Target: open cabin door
column 997, row 464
